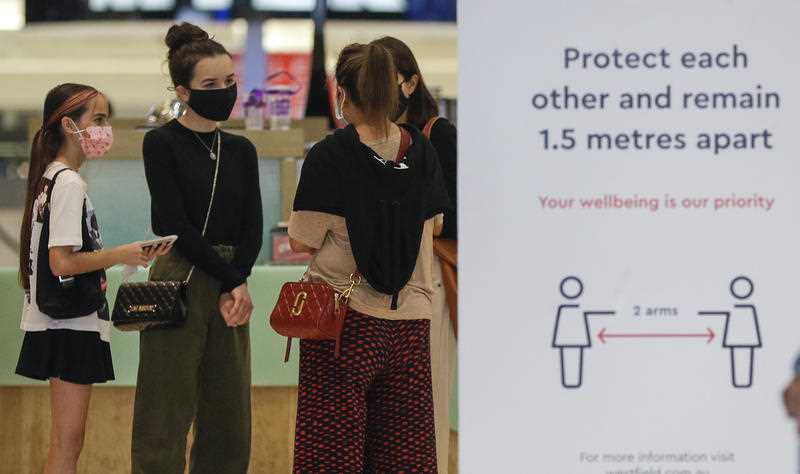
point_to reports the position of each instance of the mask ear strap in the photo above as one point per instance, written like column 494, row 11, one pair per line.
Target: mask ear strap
column 76, row 130
column 339, row 112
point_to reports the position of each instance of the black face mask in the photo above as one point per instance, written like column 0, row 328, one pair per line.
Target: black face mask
column 213, row 104
column 402, row 102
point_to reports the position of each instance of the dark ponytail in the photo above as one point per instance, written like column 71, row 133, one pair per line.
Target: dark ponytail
column 65, row 100
column 421, row 105
column 188, row 44
column 368, row 75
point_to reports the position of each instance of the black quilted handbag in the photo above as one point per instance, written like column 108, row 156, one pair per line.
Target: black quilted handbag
column 154, row 304
column 144, row 305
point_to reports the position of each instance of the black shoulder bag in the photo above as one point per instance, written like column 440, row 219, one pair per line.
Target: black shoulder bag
column 157, row 304
column 73, row 296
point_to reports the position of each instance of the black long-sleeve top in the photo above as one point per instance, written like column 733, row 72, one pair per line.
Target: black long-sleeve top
column 444, row 140
column 179, row 174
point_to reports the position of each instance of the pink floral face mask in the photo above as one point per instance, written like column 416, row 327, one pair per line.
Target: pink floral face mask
column 95, row 140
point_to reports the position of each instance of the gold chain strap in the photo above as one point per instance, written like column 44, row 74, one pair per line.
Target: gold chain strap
column 344, row 296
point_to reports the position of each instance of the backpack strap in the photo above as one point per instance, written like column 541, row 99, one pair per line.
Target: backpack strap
column 429, row 126
column 52, row 185
column 405, row 144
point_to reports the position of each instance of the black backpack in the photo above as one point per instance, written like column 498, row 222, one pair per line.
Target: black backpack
column 77, row 296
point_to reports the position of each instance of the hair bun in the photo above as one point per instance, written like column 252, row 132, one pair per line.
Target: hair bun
column 185, row 33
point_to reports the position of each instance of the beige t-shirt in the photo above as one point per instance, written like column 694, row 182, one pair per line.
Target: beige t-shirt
column 334, row 262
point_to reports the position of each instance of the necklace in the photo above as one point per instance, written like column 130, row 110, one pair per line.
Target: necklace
column 216, row 138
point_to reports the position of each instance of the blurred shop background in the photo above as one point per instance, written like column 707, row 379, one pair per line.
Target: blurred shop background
column 117, row 46
column 285, row 51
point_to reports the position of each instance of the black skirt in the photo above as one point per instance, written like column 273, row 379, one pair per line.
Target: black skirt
column 74, row 356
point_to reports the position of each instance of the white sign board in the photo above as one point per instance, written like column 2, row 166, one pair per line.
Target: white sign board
column 630, row 236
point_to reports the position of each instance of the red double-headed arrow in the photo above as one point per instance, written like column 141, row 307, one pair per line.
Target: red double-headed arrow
column 603, row 335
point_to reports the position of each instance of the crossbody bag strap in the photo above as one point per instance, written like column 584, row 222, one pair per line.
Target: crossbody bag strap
column 213, row 192
column 428, row 127
column 405, row 144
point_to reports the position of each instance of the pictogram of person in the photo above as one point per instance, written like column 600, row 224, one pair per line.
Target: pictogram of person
column 571, row 334
column 742, row 332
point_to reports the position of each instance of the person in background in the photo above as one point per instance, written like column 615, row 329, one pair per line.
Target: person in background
column 418, row 107
column 65, row 314
column 791, row 396
column 200, row 372
column 365, row 207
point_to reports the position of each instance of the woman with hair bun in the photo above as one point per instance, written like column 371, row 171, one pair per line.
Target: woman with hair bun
column 204, row 188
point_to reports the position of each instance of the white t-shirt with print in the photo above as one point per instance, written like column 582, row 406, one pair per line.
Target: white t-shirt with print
column 66, row 221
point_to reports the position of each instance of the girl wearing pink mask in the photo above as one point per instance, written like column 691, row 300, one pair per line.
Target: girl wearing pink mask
column 62, row 267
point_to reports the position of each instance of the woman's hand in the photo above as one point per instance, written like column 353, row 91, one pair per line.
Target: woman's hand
column 131, row 254
column 157, row 251
column 64, row 260
column 791, row 399
column 239, row 313
column 438, row 224
column 225, row 306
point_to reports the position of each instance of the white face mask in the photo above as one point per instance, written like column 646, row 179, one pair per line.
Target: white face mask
column 338, row 110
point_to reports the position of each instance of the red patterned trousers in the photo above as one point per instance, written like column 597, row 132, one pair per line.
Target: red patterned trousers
column 371, row 409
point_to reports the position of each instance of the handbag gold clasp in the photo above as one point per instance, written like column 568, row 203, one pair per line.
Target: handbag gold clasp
column 299, row 302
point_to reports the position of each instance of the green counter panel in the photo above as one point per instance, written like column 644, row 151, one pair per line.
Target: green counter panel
column 267, row 347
